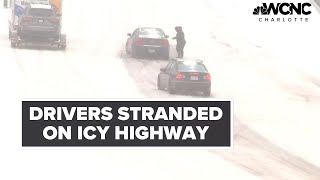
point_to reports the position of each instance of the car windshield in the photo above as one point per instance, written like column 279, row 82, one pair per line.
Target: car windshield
column 191, row 67
column 151, row 32
column 41, row 12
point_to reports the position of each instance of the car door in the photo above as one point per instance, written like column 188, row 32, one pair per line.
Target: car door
column 172, row 72
column 165, row 75
column 131, row 39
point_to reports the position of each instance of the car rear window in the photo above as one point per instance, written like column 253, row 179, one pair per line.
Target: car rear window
column 154, row 32
column 41, row 12
column 191, row 67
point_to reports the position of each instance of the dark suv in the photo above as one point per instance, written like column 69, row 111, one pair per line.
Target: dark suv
column 181, row 75
column 39, row 21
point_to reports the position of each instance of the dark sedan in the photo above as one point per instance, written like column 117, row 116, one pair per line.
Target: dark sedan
column 182, row 75
column 148, row 41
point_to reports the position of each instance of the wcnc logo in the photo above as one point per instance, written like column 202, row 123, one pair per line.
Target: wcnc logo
column 294, row 10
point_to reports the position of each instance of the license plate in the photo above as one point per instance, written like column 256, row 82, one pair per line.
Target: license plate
column 151, row 50
column 194, row 78
column 40, row 20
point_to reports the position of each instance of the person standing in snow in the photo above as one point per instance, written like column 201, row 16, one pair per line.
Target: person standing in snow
column 181, row 42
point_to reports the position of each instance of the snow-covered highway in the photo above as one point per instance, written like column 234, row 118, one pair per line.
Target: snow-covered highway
column 274, row 81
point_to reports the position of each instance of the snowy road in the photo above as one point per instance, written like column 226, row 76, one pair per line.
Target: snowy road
column 275, row 85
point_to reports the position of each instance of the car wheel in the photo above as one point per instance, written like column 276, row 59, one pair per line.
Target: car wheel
column 13, row 44
column 172, row 90
column 133, row 53
column 159, row 84
column 166, row 56
column 127, row 50
column 207, row 92
column 63, row 47
column 20, row 35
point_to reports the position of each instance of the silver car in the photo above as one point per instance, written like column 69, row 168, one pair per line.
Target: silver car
column 39, row 21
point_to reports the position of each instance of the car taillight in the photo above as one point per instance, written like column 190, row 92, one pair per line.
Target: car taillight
column 164, row 42
column 180, row 76
column 207, row 76
column 26, row 19
column 139, row 41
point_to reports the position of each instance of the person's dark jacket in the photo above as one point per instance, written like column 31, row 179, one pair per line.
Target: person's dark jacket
column 180, row 36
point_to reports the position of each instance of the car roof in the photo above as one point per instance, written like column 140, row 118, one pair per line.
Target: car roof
column 149, row 28
column 41, row 6
column 188, row 60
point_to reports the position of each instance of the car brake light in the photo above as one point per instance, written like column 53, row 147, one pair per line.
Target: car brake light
column 180, row 76
column 164, row 42
column 207, row 76
column 139, row 41
column 25, row 19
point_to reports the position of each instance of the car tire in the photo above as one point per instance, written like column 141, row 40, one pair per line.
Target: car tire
column 166, row 56
column 159, row 84
column 133, row 53
column 127, row 51
column 19, row 34
column 207, row 92
column 63, row 47
column 172, row 90
column 13, row 45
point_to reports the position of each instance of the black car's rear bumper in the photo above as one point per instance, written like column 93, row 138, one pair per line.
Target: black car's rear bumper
column 39, row 33
column 156, row 50
column 189, row 85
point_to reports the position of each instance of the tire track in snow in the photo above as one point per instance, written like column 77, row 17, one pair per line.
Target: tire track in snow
column 19, row 65
column 259, row 156
column 315, row 82
column 270, row 161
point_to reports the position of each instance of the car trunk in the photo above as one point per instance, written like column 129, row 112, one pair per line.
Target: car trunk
column 193, row 76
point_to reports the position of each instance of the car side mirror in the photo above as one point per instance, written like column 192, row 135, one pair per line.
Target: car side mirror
column 162, row 69
column 166, row 36
column 129, row 34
